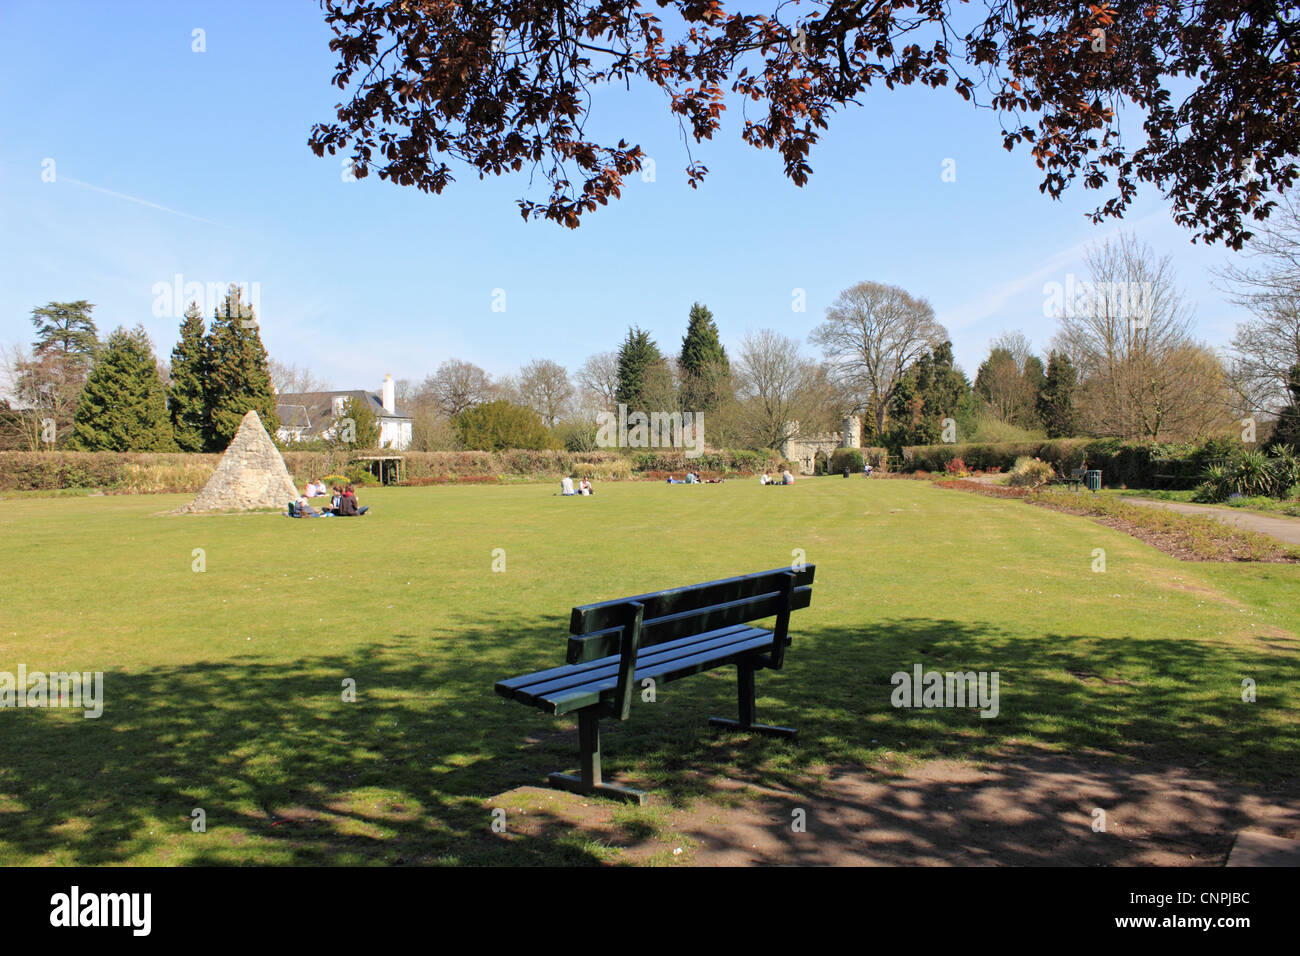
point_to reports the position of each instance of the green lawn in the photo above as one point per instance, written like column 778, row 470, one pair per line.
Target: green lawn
column 224, row 688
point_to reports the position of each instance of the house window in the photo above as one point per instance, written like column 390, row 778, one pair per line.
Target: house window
column 338, row 405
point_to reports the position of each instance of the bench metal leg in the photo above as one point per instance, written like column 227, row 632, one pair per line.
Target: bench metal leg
column 588, row 781
column 748, row 710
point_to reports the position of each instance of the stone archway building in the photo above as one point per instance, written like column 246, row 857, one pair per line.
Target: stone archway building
column 803, row 449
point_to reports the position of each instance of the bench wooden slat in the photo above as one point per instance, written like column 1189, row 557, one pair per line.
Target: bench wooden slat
column 671, row 669
column 548, row 687
column 507, row 688
column 668, row 628
column 607, row 614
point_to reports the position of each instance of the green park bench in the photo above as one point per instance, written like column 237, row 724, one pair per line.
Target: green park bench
column 616, row 647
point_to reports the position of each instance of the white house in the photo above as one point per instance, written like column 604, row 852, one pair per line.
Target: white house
column 305, row 416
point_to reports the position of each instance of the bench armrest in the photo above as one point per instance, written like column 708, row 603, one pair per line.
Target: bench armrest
column 629, row 646
column 777, row 656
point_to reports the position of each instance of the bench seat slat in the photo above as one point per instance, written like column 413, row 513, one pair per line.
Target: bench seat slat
column 506, row 688
column 650, row 657
column 586, row 695
column 582, row 685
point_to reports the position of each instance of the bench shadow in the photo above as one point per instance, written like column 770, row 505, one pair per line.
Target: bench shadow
column 287, row 772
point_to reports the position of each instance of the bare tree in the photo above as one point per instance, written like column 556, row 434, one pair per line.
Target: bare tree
column 1128, row 331
column 456, row 386
column 1004, row 381
column 779, row 392
column 431, row 430
column 403, row 392
column 872, row 334
column 289, row 379
column 544, row 386
column 598, row 381
column 41, row 388
column 1267, row 346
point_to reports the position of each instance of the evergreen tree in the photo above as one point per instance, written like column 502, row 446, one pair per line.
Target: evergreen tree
column 239, row 379
column 66, row 328
column 703, row 361
column 187, row 396
column 50, row 382
column 499, row 426
column 1056, row 408
column 124, row 405
column 1033, row 378
column 1286, row 431
column 932, row 389
column 637, row 355
column 356, row 425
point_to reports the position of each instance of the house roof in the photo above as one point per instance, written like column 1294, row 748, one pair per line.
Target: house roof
column 315, row 410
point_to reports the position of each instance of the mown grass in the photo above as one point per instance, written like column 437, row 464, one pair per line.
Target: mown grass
column 224, row 687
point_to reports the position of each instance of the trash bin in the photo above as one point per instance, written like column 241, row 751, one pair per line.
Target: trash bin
column 1092, row 479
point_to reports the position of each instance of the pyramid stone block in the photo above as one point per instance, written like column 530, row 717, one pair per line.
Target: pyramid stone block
column 251, row 474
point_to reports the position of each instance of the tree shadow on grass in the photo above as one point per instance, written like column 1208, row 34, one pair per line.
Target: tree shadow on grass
column 287, row 772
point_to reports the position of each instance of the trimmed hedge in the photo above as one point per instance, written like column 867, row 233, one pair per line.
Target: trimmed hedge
column 141, row 473
column 127, row 472
column 1131, row 464
column 850, row 458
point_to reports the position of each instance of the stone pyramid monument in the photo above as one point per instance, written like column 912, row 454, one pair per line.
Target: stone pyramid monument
column 251, row 474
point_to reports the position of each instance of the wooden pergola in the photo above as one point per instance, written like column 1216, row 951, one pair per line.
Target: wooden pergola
column 397, row 472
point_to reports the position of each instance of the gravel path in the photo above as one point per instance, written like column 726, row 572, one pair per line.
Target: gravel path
column 1283, row 529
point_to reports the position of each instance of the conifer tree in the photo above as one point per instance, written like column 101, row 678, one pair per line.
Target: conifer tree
column 1056, row 406
column 66, row 328
column 239, row 379
column 355, row 426
column 706, row 371
column 124, row 405
column 636, row 356
column 1287, row 429
column 188, row 398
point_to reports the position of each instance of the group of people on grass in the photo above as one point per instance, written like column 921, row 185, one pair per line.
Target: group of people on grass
column 343, row 502
column 786, row 478
column 583, row 487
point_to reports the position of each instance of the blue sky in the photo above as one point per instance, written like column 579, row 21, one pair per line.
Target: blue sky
column 170, row 162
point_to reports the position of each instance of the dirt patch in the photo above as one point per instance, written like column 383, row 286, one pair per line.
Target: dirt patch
column 1035, row 807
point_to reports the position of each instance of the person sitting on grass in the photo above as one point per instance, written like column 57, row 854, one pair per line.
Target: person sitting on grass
column 584, row 487
column 766, row 479
column 787, row 478
column 305, row 510
column 348, row 504
column 566, row 486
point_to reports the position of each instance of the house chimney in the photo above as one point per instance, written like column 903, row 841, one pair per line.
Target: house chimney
column 390, row 395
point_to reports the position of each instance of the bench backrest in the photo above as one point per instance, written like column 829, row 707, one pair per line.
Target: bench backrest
column 625, row 625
